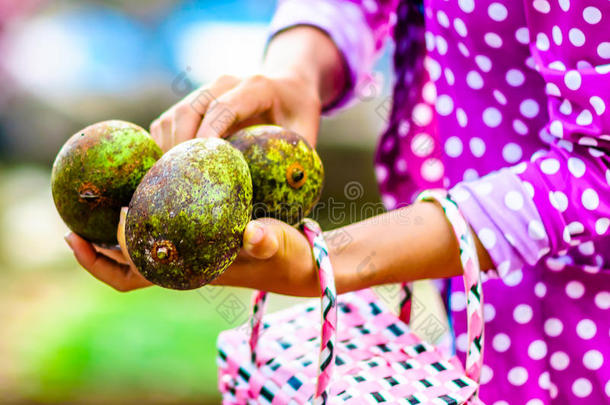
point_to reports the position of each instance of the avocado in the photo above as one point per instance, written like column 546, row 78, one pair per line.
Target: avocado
column 287, row 173
column 186, row 219
column 95, row 174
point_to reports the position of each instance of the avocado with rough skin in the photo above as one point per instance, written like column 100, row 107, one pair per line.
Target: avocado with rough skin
column 186, row 220
column 287, row 173
column 95, row 174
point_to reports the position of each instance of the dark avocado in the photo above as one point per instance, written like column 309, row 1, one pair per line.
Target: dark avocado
column 95, row 174
column 287, row 173
column 186, row 219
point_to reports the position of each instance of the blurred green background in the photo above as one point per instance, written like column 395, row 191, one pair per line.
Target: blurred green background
column 65, row 337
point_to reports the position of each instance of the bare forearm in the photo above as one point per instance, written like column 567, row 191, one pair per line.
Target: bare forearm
column 311, row 54
column 412, row 243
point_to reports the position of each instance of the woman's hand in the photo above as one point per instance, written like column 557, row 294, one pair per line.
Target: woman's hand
column 303, row 71
column 229, row 104
column 275, row 257
column 110, row 266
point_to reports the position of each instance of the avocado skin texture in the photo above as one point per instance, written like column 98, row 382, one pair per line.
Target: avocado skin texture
column 95, row 174
column 272, row 152
column 186, row 219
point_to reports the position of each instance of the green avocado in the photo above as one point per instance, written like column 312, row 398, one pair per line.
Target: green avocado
column 287, row 173
column 95, row 174
column 186, row 219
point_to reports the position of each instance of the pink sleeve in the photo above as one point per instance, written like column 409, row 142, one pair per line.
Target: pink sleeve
column 359, row 28
column 572, row 181
column 561, row 198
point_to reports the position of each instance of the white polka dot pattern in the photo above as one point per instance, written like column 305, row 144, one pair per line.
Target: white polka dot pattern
column 543, row 110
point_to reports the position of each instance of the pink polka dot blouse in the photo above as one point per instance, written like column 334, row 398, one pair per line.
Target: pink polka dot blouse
column 508, row 104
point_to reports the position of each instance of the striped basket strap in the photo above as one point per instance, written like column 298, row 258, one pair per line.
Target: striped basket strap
column 406, row 301
column 259, row 304
column 326, row 361
column 472, row 279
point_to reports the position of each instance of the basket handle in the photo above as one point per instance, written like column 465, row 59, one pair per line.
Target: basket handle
column 472, row 284
column 326, row 360
column 472, row 279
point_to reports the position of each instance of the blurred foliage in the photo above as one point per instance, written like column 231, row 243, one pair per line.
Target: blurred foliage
column 94, row 344
column 68, row 338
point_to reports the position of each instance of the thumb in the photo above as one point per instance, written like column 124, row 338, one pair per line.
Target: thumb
column 307, row 126
column 261, row 239
column 120, row 235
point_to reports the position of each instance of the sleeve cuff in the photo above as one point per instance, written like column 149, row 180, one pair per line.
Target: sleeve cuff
column 344, row 22
column 500, row 209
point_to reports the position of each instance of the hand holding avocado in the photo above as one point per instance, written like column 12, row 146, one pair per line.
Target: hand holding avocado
column 229, row 104
column 274, row 257
column 187, row 217
column 302, row 72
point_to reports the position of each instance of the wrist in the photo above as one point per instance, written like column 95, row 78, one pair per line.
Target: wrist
column 304, row 75
column 307, row 54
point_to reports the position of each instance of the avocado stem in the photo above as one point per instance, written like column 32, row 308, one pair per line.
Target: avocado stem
column 297, row 175
column 162, row 253
column 88, row 195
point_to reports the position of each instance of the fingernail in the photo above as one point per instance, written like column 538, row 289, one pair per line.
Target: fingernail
column 68, row 239
column 257, row 234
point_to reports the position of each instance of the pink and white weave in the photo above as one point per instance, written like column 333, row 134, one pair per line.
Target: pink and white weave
column 367, row 355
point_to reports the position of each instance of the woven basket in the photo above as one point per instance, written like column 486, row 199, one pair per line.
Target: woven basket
column 371, row 358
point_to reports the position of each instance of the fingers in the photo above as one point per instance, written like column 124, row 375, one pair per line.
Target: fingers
column 200, row 99
column 117, row 275
column 230, row 103
column 113, row 254
column 261, row 240
column 120, row 234
column 300, row 110
column 275, row 257
column 161, row 131
column 308, row 128
column 250, row 98
column 186, row 121
column 261, row 243
column 180, row 122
